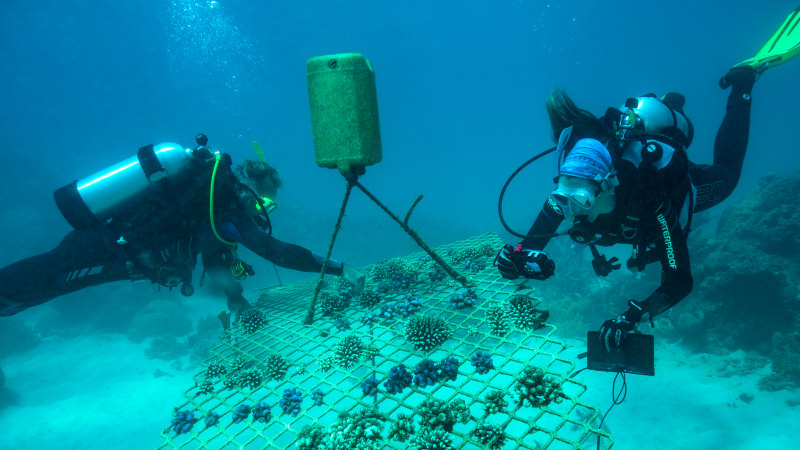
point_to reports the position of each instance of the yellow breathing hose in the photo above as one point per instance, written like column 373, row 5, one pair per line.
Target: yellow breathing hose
column 211, row 205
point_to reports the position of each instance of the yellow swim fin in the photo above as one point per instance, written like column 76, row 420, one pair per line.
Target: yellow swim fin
column 259, row 151
column 781, row 47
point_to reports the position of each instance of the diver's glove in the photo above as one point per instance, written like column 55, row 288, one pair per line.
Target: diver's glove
column 614, row 331
column 513, row 262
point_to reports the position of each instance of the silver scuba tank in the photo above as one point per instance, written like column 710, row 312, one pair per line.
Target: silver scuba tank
column 100, row 196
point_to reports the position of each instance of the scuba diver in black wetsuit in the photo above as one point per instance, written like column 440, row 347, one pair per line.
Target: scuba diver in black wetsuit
column 149, row 217
column 626, row 178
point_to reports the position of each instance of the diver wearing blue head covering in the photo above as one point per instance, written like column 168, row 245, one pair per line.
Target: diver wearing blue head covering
column 626, row 178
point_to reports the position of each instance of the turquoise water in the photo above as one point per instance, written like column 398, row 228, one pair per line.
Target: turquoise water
column 460, row 89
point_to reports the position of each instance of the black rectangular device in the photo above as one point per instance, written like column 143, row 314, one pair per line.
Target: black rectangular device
column 636, row 355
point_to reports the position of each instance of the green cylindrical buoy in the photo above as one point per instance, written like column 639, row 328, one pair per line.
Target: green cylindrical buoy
column 344, row 112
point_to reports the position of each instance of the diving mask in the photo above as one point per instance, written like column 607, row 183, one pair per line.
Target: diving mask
column 266, row 204
column 573, row 204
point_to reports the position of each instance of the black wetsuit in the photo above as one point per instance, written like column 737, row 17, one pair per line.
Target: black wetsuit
column 161, row 246
column 655, row 200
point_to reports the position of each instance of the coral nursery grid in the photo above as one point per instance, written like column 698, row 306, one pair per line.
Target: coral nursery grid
column 316, row 356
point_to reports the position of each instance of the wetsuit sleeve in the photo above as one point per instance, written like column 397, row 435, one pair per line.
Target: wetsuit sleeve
column 282, row 253
column 546, row 223
column 676, row 273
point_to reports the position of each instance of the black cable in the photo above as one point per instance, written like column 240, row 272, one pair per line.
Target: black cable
column 615, row 400
column 503, row 192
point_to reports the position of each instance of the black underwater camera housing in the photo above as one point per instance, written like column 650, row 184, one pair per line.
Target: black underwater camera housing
column 636, row 356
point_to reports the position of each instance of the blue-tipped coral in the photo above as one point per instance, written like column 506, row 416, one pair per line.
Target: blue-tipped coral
column 184, row 421
column 448, row 369
column 426, row 373
column 399, row 379
column 482, row 361
column 474, row 265
column 492, row 437
column 370, row 386
column 262, row 412
column 426, row 332
column 211, row 419
column 252, row 320
column 464, row 298
column 291, row 401
column 241, row 413
column 341, row 323
column 533, row 387
column 318, row 397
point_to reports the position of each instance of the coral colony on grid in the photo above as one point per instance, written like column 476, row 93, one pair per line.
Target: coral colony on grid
column 389, row 300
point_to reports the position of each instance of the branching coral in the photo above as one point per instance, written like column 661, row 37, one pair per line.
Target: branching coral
column 238, row 363
column 311, row 437
column 436, row 413
column 349, row 351
column 523, row 312
column 251, row 378
column 275, row 367
column 533, row 387
column 369, row 298
column 331, row 304
column 361, row 430
column 426, row 332
column 473, row 252
column 495, row 402
column 326, row 362
column 205, row 386
column 497, row 318
column 215, row 370
column 490, row 436
column 402, row 428
column 431, row 439
column 252, row 320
